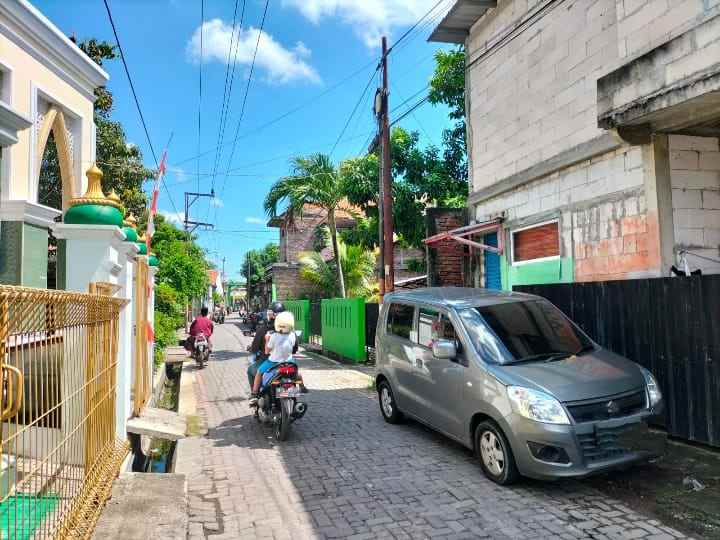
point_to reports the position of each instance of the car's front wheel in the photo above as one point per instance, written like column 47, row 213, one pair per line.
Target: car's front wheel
column 388, row 406
column 495, row 455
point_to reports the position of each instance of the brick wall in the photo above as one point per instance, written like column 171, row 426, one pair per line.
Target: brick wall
column 535, row 96
column 300, row 236
column 695, row 176
column 446, row 259
column 286, row 278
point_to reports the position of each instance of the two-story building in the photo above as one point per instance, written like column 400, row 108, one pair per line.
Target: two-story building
column 592, row 132
column 46, row 93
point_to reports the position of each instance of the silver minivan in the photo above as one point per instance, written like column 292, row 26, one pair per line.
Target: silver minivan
column 511, row 377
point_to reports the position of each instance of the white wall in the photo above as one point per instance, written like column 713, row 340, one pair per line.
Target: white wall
column 695, row 175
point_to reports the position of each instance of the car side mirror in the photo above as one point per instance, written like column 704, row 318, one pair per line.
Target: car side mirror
column 444, row 349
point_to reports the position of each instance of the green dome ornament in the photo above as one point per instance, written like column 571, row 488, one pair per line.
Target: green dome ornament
column 94, row 208
column 130, row 228
column 142, row 245
column 153, row 260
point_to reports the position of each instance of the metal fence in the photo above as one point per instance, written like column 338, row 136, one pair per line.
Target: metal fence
column 58, row 439
column 372, row 312
column 142, row 375
column 316, row 322
column 343, row 328
column 301, row 311
column 669, row 325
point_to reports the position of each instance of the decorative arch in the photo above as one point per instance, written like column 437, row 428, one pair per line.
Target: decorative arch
column 54, row 120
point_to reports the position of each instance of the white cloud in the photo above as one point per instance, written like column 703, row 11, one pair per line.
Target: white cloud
column 255, row 220
column 173, row 217
column 179, row 173
column 370, row 19
column 280, row 64
column 217, row 203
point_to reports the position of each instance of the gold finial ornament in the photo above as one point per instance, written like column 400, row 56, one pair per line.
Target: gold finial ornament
column 130, row 221
column 94, row 193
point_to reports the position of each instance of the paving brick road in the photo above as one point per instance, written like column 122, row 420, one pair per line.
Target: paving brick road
column 345, row 473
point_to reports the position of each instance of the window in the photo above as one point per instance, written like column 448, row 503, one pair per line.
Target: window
column 528, row 330
column 536, row 242
column 400, row 320
column 434, row 325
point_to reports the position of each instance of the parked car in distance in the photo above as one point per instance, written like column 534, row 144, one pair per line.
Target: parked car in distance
column 511, row 377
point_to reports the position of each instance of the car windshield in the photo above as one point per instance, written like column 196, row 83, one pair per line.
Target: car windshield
column 530, row 331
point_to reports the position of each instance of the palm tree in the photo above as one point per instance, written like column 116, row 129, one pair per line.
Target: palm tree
column 314, row 180
column 358, row 266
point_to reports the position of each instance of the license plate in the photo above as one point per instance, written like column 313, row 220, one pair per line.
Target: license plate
column 290, row 392
column 639, row 438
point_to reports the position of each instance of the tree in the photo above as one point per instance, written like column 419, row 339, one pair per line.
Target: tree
column 257, row 260
column 447, row 86
column 315, row 180
column 121, row 162
column 182, row 262
column 421, row 177
column 358, row 266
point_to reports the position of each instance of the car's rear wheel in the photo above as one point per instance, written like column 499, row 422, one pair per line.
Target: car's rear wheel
column 388, row 406
column 495, row 455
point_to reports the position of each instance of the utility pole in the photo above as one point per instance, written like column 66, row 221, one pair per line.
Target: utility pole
column 388, row 270
column 190, row 199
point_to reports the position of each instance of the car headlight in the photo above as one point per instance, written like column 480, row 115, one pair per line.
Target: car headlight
column 537, row 405
column 653, row 390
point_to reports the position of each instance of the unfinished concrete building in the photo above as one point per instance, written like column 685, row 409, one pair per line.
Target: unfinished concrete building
column 592, row 130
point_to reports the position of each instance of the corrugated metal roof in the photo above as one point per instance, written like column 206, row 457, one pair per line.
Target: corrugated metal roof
column 455, row 26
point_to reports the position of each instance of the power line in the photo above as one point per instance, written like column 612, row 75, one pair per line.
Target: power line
column 244, row 102
column 284, row 115
column 410, row 110
column 202, row 31
column 409, row 30
column 362, row 95
column 135, row 98
column 227, row 91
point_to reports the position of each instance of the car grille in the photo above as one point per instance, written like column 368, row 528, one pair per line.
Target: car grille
column 602, row 444
column 607, row 408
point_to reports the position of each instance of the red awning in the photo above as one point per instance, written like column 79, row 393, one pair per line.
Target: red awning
column 461, row 233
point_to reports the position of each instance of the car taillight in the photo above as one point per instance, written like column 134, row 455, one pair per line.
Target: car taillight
column 287, row 370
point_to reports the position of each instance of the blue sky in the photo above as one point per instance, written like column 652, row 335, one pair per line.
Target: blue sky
column 307, row 47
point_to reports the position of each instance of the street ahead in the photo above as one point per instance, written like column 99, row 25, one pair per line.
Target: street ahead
column 345, row 473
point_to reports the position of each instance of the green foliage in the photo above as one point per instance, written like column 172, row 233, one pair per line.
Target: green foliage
column 165, row 327
column 314, row 180
column 321, row 238
column 217, row 298
column 416, row 265
column 358, row 266
column 447, row 86
column 421, row 177
column 257, row 260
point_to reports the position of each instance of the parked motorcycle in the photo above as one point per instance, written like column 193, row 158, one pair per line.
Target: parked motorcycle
column 201, row 350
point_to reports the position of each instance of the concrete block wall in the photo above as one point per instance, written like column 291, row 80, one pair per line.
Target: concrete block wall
column 644, row 24
column 286, row 278
column 535, row 96
column 695, row 178
column 601, row 208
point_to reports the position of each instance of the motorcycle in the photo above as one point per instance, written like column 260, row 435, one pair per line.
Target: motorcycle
column 278, row 403
column 201, row 350
column 278, row 400
column 219, row 316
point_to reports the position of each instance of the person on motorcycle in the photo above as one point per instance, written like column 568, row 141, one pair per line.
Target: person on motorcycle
column 279, row 346
column 257, row 347
column 201, row 325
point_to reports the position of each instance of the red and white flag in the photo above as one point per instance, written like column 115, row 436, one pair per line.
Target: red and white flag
column 153, row 203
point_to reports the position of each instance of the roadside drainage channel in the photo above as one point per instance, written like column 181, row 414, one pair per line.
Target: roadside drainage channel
column 159, row 458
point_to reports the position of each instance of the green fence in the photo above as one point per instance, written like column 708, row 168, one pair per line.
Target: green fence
column 343, row 327
column 301, row 310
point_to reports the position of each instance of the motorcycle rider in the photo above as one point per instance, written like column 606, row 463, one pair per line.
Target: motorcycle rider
column 279, row 346
column 257, row 347
column 201, row 325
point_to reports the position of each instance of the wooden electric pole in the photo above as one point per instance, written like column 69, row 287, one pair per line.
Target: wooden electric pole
column 388, row 271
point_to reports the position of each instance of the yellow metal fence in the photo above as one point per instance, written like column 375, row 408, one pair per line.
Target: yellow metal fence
column 58, row 447
column 141, row 367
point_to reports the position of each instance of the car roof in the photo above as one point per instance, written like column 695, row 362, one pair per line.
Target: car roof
column 459, row 297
